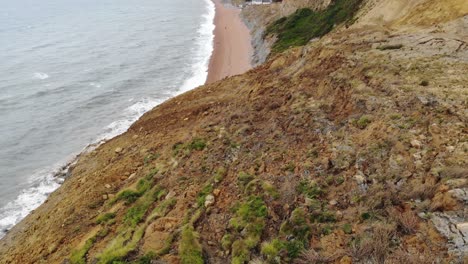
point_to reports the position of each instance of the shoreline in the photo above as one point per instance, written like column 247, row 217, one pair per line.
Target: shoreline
column 232, row 49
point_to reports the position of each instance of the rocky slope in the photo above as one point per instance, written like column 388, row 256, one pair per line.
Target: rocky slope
column 351, row 149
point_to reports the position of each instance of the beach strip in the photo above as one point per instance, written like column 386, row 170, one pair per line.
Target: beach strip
column 232, row 49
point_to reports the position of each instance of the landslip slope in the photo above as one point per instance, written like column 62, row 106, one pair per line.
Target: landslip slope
column 351, row 149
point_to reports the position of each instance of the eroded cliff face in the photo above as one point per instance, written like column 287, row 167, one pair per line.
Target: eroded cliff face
column 350, row 149
column 257, row 17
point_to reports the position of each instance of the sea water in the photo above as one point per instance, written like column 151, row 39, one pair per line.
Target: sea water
column 76, row 72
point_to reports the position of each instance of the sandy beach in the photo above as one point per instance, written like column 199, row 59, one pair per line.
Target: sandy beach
column 232, row 48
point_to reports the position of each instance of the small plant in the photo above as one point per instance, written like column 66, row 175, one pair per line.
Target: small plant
column 347, row 228
column 78, row 256
column 366, row 216
column 197, row 144
column 244, row 178
column 395, row 116
column 270, row 190
column 294, row 248
column 129, row 196
column 272, row 249
column 203, row 193
column 219, row 174
column 102, row 219
column 363, row 122
column 323, row 217
column 290, row 167
column 310, row 189
column 240, row 252
column 254, row 207
column 226, row 241
column 177, row 147
column 143, row 185
column 339, row 180
column 327, row 230
column 135, row 214
column 190, row 250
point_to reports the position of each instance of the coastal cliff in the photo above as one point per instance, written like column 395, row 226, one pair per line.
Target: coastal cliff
column 349, row 149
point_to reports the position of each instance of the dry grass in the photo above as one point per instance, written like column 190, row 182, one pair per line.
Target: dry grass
column 403, row 256
column 408, row 221
column 374, row 246
column 312, row 256
column 424, row 190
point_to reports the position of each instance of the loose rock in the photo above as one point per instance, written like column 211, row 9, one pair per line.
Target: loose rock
column 209, row 200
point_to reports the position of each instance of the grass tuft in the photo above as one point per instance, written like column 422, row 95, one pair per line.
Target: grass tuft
column 78, row 256
column 102, row 219
column 190, row 250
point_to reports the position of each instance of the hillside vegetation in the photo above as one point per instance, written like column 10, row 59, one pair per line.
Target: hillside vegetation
column 349, row 149
column 305, row 24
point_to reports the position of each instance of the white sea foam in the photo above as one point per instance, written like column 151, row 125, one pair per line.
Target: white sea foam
column 41, row 75
column 93, row 84
column 129, row 116
column 43, row 183
column 204, row 50
column 46, row 181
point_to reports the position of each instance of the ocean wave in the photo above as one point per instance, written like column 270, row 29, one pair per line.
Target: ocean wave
column 40, row 75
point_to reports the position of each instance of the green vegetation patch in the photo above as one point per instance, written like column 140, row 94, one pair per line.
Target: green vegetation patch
column 130, row 234
column 197, row 144
column 219, row 174
column 107, row 217
column 248, row 225
column 271, row 250
column 78, row 256
column 190, row 250
column 131, row 196
column 136, row 213
column 122, row 245
column 300, row 27
column 244, row 178
column 362, row 122
column 310, row 189
column 203, row 193
column 347, row 228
